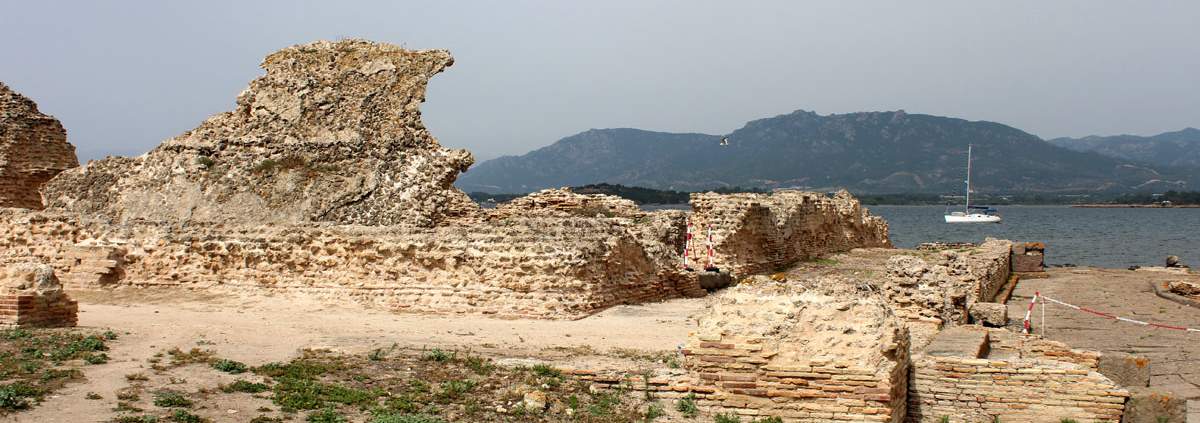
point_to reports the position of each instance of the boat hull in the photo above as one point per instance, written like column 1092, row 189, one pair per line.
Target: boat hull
column 973, row 218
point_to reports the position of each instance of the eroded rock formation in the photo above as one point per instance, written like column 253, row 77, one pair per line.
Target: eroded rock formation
column 754, row 233
column 33, row 148
column 331, row 133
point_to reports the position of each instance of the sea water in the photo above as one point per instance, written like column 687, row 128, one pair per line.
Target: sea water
column 1101, row 237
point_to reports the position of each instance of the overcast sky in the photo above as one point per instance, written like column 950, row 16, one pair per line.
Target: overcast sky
column 123, row 76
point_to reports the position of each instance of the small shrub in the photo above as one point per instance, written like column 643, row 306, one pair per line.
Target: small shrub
column 205, row 161
column 687, row 406
column 654, row 411
column 944, row 419
column 229, row 366
column 244, row 386
column 326, row 416
column 127, row 395
column 124, row 406
column 16, row 395
column 167, row 399
column 93, row 396
column 772, row 419
column 547, row 371
column 109, row 335
column 183, row 416
column 380, row 354
column 727, row 418
column 438, row 356
column 96, row 358
column 136, row 376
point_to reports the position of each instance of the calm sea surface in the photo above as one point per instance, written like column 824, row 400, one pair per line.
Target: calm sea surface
column 1101, row 237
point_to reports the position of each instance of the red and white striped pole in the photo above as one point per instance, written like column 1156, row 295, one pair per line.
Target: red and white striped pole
column 710, row 249
column 1030, row 311
column 687, row 245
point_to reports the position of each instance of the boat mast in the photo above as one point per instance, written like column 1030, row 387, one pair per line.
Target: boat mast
column 968, row 209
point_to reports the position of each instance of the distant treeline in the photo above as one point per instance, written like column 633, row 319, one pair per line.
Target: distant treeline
column 639, row 195
column 655, row 196
column 1175, row 197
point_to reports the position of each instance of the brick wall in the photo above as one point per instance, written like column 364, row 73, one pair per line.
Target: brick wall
column 735, row 374
column 50, row 310
column 1022, row 390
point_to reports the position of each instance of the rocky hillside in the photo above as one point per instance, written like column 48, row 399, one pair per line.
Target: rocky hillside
column 332, row 132
column 876, row 152
column 1179, row 148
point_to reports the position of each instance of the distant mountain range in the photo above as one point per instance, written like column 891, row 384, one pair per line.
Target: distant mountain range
column 870, row 152
column 1180, row 148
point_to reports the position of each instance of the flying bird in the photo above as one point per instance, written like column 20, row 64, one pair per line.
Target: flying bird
column 724, row 140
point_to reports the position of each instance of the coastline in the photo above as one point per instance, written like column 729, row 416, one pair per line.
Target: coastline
column 1136, row 206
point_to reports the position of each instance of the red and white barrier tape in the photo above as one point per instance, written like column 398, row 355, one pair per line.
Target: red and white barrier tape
column 1139, row 322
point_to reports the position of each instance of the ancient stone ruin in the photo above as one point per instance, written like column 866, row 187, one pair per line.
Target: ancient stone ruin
column 324, row 181
column 33, row 149
column 331, row 133
column 30, row 295
column 814, row 350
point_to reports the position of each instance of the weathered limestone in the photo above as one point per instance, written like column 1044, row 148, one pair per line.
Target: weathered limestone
column 807, row 350
column 331, row 133
column 30, row 295
column 33, row 148
column 940, row 287
column 755, row 233
column 562, row 202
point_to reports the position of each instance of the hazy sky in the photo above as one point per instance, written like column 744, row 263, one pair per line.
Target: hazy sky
column 122, row 76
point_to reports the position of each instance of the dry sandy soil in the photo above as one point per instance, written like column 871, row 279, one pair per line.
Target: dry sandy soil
column 257, row 329
column 260, row 329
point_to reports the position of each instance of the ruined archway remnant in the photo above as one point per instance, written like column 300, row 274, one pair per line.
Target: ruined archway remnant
column 33, row 148
column 331, row 133
column 807, row 350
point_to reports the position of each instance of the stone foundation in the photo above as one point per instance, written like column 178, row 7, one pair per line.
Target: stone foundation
column 30, row 296
column 1012, row 377
column 805, row 351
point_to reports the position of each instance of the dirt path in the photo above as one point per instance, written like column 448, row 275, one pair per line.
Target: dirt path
column 261, row 329
column 1174, row 354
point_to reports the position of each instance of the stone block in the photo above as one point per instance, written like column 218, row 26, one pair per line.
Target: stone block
column 715, row 280
column 1155, row 407
column 1128, row 371
column 958, row 342
column 989, row 314
column 1028, row 257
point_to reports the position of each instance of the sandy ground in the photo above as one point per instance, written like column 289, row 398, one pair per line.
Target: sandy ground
column 261, row 329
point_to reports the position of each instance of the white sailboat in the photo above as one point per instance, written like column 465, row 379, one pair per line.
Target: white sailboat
column 973, row 214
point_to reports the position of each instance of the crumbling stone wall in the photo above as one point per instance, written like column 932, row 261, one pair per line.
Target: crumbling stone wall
column 530, row 267
column 563, row 202
column 331, row 133
column 940, row 287
column 756, row 233
column 30, row 295
column 33, row 148
column 1021, row 390
column 808, row 350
